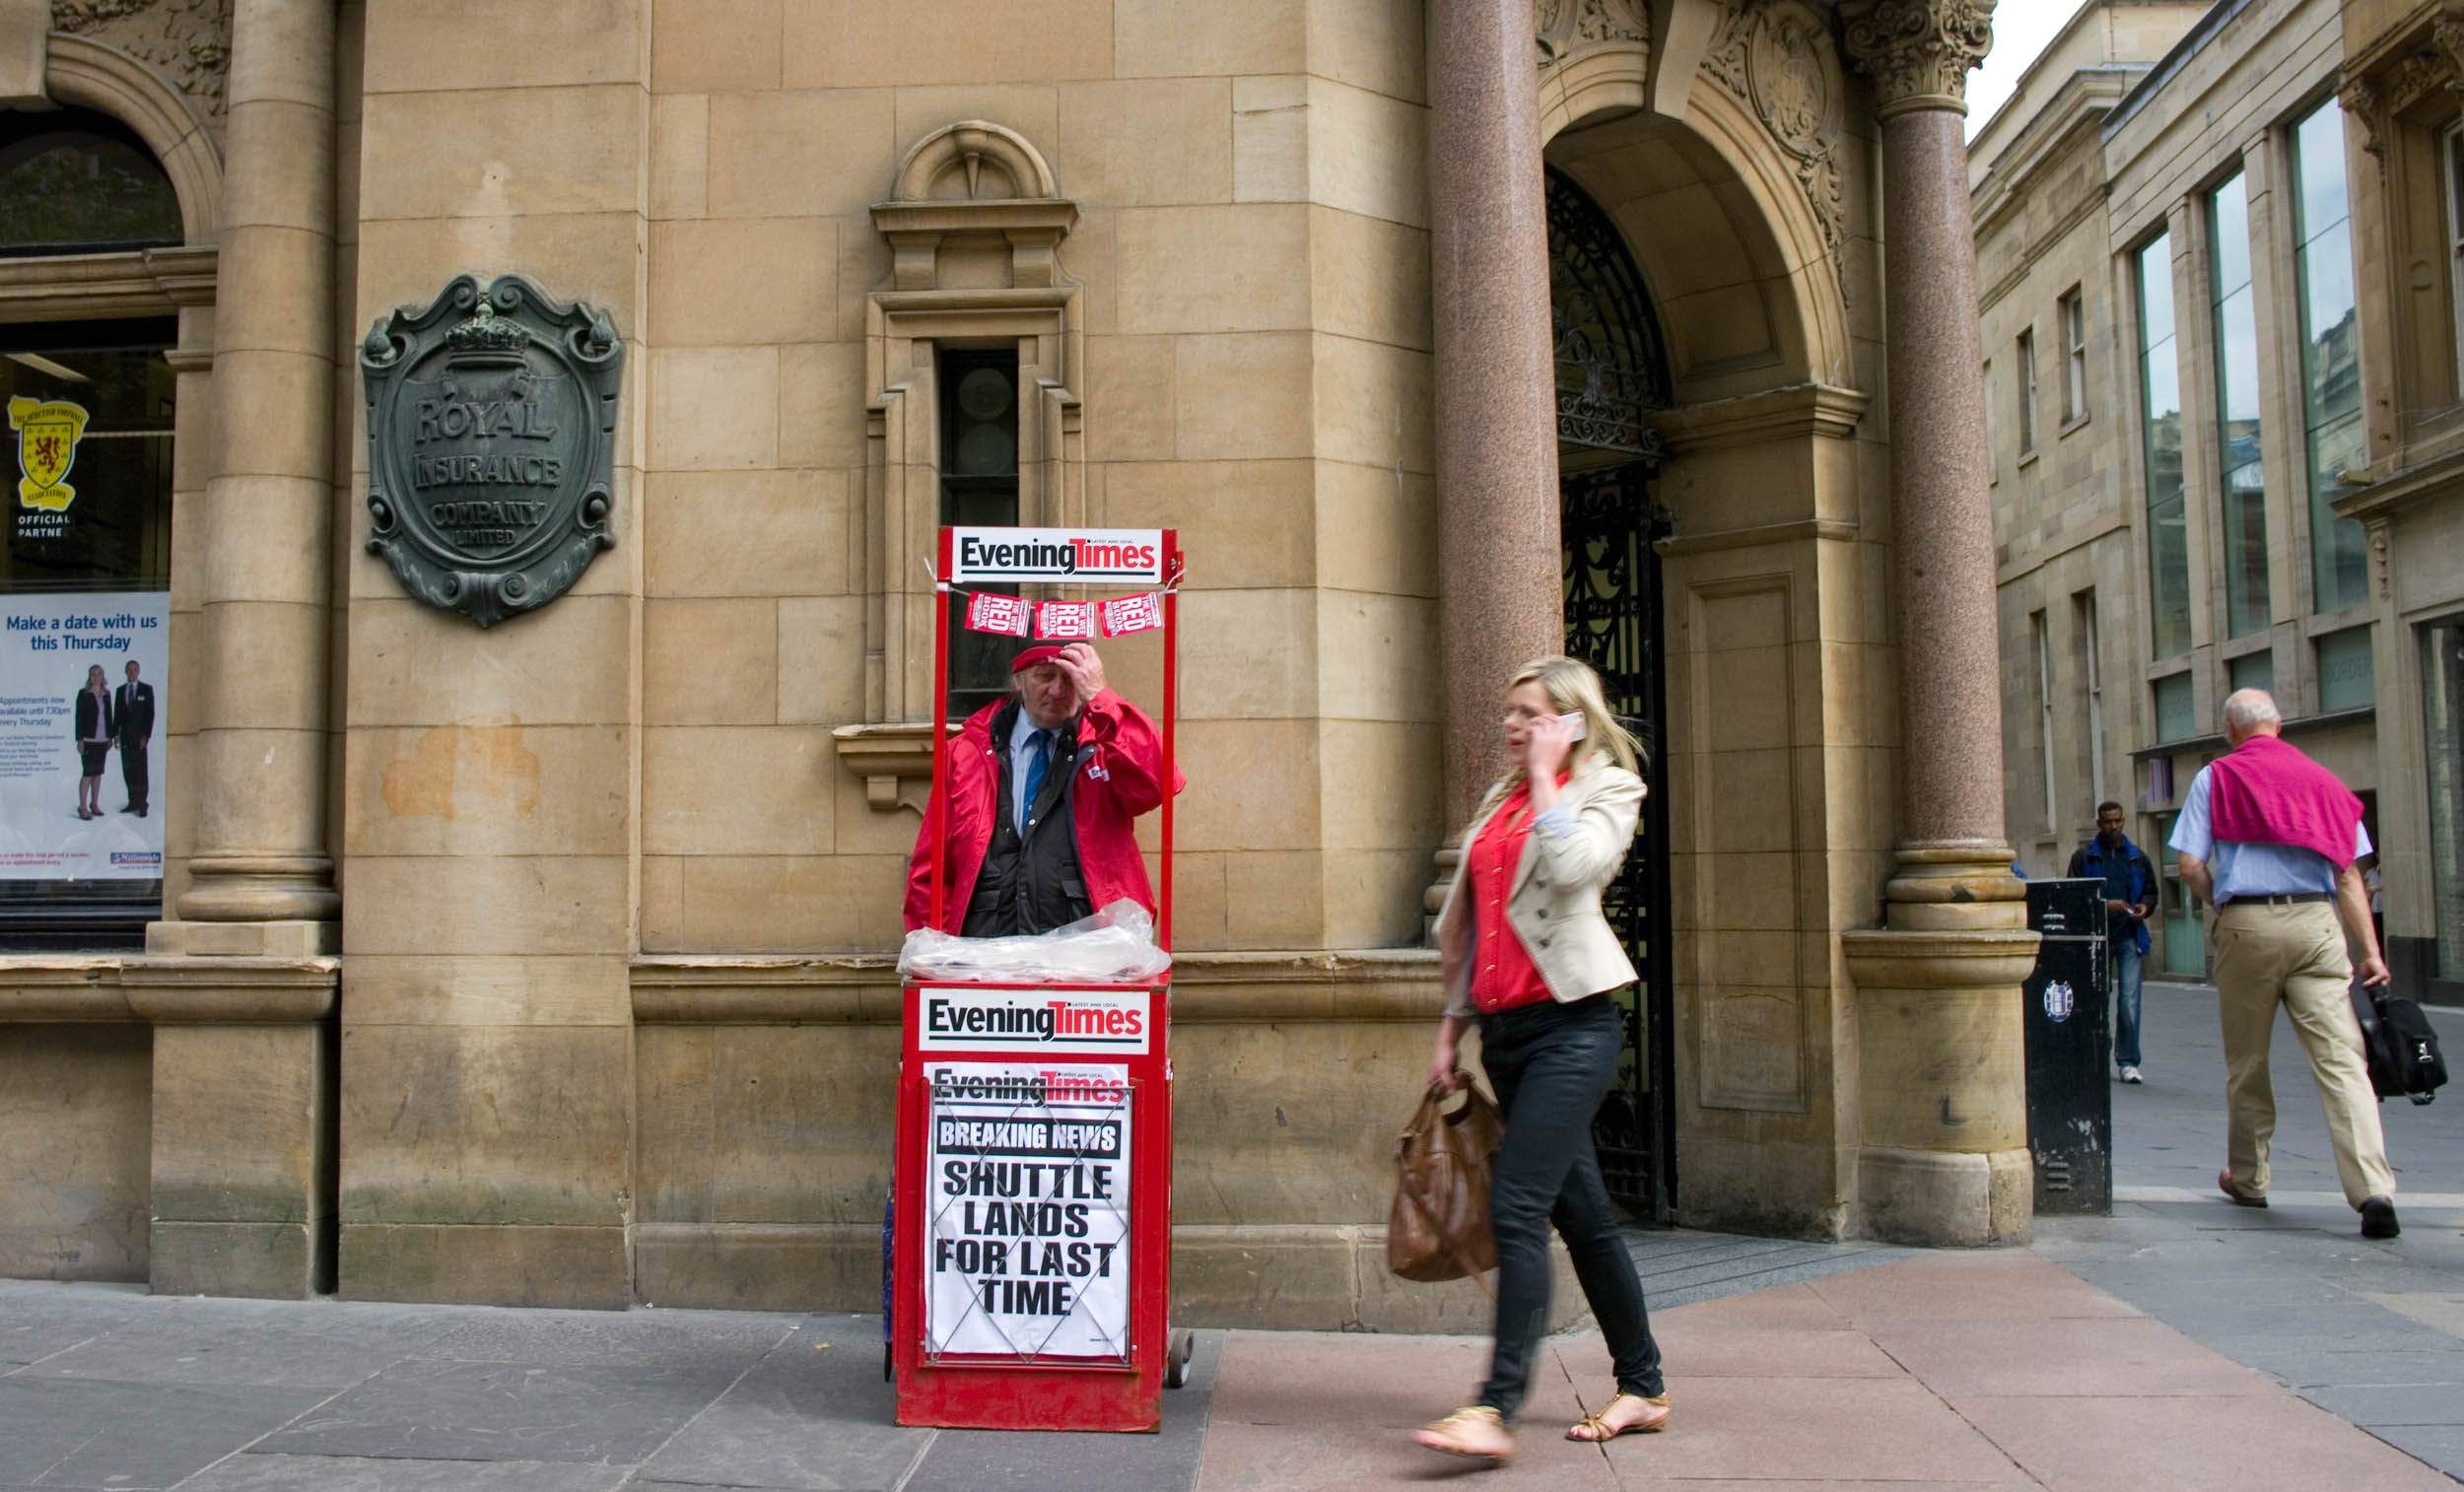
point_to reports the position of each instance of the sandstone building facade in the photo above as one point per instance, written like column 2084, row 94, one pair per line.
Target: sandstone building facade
column 550, row 962
column 2213, row 373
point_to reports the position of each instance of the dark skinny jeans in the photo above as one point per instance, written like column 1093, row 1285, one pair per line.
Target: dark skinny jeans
column 1552, row 1065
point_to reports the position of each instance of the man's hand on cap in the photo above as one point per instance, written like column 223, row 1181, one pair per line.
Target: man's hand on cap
column 1085, row 668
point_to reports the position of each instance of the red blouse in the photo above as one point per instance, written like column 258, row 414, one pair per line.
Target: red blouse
column 1503, row 975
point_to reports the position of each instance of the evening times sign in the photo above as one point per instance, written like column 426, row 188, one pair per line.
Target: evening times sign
column 491, row 435
column 1028, row 1188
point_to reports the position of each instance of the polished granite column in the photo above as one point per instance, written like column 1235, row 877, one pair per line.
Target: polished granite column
column 1943, row 1155
column 1498, row 557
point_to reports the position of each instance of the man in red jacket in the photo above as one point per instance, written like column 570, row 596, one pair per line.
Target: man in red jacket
column 1037, row 796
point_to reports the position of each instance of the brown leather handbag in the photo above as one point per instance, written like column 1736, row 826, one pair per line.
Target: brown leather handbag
column 1438, row 1228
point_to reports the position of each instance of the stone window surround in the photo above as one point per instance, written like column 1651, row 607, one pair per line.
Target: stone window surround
column 942, row 247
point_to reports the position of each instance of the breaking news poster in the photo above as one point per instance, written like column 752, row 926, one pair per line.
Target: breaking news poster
column 1028, row 1188
column 48, row 643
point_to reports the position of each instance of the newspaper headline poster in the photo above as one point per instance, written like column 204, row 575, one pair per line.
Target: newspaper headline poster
column 47, row 645
column 1028, row 1190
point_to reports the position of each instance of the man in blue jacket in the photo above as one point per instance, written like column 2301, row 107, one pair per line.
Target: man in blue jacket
column 2129, row 899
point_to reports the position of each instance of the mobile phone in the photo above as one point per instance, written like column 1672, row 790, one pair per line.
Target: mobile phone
column 1574, row 725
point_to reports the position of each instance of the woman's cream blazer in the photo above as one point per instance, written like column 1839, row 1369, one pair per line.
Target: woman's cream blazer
column 1554, row 907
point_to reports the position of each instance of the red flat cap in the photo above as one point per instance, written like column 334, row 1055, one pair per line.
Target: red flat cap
column 1041, row 652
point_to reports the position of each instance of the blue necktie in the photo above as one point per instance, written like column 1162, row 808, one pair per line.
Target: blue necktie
column 1039, row 757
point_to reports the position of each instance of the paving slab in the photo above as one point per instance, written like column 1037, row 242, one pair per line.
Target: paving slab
column 247, row 1472
column 65, row 1433
column 509, row 1411
column 299, row 1344
column 812, row 1414
column 980, row 1460
column 2256, row 1443
column 39, row 1318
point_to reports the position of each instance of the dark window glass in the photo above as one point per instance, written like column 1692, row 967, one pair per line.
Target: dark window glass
column 979, row 489
column 73, row 181
column 2160, row 420
column 2244, row 557
column 2331, row 363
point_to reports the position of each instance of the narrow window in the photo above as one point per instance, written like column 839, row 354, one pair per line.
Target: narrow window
column 2451, row 146
column 2074, row 357
column 2244, row 482
column 2044, row 711
column 978, row 433
column 2331, row 356
column 2091, row 684
column 2177, row 714
column 2348, row 676
column 1993, row 429
column 2027, row 390
column 2161, row 453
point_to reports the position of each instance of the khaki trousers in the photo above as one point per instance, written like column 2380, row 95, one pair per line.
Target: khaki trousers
column 2266, row 954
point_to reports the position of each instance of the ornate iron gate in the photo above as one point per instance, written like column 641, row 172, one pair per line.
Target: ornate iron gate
column 1613, row 623
column 1611, row 373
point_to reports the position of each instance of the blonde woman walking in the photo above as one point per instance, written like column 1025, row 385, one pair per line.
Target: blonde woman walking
column 1527, row 953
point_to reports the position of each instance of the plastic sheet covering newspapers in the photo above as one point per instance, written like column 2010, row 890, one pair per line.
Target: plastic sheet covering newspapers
column 1117, row 942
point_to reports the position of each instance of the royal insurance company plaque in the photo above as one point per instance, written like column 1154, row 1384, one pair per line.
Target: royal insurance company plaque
column 491, row 435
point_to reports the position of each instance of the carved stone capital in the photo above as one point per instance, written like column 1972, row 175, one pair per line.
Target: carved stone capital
column 1918, row 51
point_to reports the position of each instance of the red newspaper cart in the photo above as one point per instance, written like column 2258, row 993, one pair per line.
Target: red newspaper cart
column 1032, row 1203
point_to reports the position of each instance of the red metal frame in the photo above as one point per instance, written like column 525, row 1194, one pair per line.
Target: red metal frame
column 974, row 1392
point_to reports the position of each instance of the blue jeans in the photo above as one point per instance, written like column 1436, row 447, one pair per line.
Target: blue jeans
column 2126, row 961
column 1552, row 1065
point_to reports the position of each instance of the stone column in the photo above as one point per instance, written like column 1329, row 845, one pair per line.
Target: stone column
column 262, row 688
column 1496, row 402
column 1944, row 1104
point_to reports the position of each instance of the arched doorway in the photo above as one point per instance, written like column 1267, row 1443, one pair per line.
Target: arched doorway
column 1611, row 372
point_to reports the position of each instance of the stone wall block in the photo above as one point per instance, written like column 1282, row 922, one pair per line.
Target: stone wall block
column 1213, row 269
column 714, row 408
column 854, row 44
column 802, row 154
column 434, row 989
column 493, row 905
column 1161, row 39
column 500, row 151
column 578, row 1268
column 701, row 269
column 485, row 1125
column 710, row 661
column 821, row 408
column 1244, row 397
column 74, row 1169
column 698, row 798
column 539, row 42
column 488, row 786
column 1138, row 143
column 749, row 534
column 412, row 666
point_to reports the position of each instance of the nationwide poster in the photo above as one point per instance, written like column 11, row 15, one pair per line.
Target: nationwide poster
column 1028, row 1188
column 47, row 645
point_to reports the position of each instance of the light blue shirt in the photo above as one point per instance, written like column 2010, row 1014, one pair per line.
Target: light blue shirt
column 2246, row 869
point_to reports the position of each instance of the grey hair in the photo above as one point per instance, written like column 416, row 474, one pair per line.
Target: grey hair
column 2249, row 709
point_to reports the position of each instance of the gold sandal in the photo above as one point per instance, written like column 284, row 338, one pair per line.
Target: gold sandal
column 1600, row 1431
column 1454, row 1434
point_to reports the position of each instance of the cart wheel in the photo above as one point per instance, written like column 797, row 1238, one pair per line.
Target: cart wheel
column 1177, row 1358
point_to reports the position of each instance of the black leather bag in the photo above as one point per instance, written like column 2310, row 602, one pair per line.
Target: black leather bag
column 2402, row 1048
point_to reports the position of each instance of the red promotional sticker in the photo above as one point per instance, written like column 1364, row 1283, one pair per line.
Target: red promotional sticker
column 1066, row 618
column 996, row 613
column 1126, row 614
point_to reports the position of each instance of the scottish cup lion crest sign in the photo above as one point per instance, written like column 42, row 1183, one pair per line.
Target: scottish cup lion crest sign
column 491, row 435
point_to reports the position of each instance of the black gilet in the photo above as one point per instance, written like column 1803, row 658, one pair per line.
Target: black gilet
column 1030, row 882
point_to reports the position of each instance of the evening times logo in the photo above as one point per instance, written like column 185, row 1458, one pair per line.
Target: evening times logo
column 1016, row 1020
column 1127, row 555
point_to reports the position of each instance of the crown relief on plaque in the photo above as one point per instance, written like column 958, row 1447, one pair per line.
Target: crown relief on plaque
column 490, row 434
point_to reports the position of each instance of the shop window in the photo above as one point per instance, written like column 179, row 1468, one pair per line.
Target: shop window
column 2243, row 498
column 2176, row 712
column 2161, row 454
column 979, row 464
column 72, row 181
column 2184, row 946
column 84, row 587
column 2443, row 740
column 2346, row 677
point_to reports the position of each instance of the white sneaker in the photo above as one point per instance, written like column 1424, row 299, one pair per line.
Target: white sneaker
column 2130, row 1075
